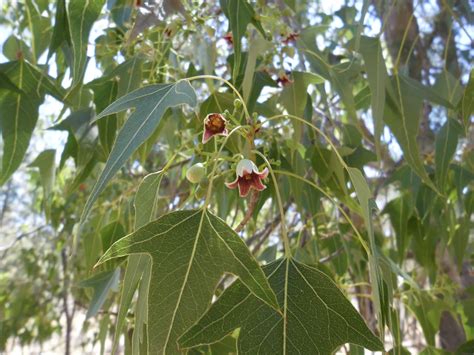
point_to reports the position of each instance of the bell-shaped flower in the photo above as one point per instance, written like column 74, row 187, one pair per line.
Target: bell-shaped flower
column 248, row 177
column 214, row 125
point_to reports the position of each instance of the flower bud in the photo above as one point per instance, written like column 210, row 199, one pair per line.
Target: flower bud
column 195, row 173
column 237, row 103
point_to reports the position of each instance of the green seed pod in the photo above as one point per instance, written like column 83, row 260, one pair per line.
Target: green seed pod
column 196, row 173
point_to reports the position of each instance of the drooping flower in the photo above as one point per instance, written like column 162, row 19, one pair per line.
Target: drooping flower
column 248, row 177
column 214, row 125
column 284, row 79
column 229, row 38
column 291, row 37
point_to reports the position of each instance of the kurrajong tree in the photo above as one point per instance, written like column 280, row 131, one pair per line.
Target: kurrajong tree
column 214, row 177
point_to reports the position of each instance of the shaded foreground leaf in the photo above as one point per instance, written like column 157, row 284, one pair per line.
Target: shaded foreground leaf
column 190, row 251
column 138, row 266
column 150, row 104
column 317, row 317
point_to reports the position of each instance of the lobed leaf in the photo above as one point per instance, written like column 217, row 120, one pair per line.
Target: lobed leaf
column 190, row 251
column 317, row 318
column 150, row 104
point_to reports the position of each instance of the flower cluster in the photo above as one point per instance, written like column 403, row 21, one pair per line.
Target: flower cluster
column 247, row 174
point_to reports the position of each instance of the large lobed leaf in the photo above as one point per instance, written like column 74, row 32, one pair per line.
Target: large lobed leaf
column 317, row 318
column 190, row 251
column 150, row 104
column 139, row 265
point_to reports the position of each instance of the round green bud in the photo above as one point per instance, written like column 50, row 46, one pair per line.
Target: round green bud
column 237, row 103
column 195, row 173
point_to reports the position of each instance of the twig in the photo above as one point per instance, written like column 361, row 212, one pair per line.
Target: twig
column 250, row 208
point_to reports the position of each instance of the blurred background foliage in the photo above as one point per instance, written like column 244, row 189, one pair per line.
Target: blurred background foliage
column 389, row 82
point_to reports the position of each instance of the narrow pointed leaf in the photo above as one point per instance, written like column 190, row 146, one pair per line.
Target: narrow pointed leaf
column 367, row 205
column 317, row 317
column 45, row 162
column 102, row 284
column 190, row 252
column 19, row 111
column 240, row 13
column 61, row 28
column 81, row 16
column 404, row 121
column 467, row 102
column 445, row 147
column 150, row 104
column 371, row 50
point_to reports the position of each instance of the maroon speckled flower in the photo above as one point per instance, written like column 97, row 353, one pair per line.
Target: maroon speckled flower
column 292, row 37
column 214, row 125
column 248, row 177
column 229, row 38
column 284, row 80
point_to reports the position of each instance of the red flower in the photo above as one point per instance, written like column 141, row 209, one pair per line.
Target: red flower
column 214, row 125
column 284, row 80
column 293, row 36
column 248, row 177
column 228, row 37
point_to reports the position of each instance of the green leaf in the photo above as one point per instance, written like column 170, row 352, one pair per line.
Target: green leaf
column 294, row 97
column 404, row 120
column 102, row 284
column 400, row 210
column 61, row 28
column 138, row 265
column 316, row 316
column 6, row 83
column 105, row 92
column 371, row 50
column 146, row 199
column 81, row 16
column 368, row 204
column 45, row 161
column 18, row 117
column 150, row 104
column 190, row 251
column 467, row 102
column 240, row 13
column 445, row 147
column 257, row 47
column 15, row 48
column 424, row 92
column 39, row 27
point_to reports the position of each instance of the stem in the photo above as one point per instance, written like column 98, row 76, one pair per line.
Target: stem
column 326, row 138
column 284, row 234
column 359, row 236
column 216, row 163
column 229, row 85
